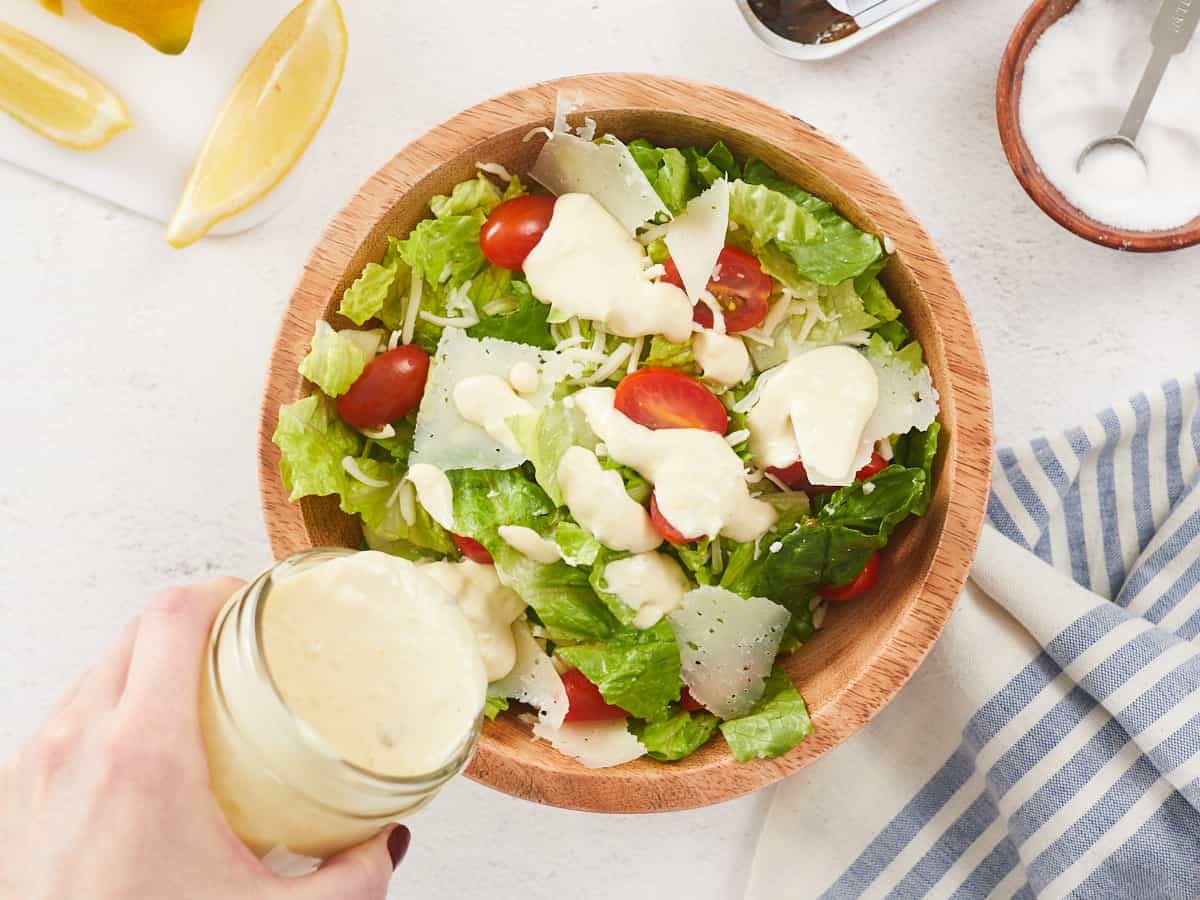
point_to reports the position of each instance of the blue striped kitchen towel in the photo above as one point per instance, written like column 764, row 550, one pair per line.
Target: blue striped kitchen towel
column 1049, row 747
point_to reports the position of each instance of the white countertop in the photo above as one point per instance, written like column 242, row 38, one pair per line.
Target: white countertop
column 132, row 371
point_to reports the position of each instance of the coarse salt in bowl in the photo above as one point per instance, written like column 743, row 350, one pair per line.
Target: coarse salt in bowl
column 1069, row 72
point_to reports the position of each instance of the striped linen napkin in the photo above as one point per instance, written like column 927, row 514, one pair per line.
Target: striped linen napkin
column 1049, row 746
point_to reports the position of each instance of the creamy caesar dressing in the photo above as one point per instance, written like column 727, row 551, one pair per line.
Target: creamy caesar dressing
column 722, row 357
column 815, row 408
column 489, row 401
column 377, row 660
column 596, row 498
column 489, row 606
column 434, row 493
column 529, row 543
column 699, row 481
column 587, row 265
column 524, row 377
column 651, row 583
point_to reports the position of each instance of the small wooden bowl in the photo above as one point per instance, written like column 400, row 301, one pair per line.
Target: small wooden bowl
column 1040, row 16
column 867, row 649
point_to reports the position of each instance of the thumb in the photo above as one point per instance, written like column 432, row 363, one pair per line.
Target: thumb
column 360, row 873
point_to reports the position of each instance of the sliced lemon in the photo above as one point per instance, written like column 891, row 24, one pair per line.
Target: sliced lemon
column 55, row 6
column 41, row 88
column 166, row 25
column 267, row 122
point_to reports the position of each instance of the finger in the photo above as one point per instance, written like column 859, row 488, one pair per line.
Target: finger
column 361, row 873
column 162, row 687
column 101, row 687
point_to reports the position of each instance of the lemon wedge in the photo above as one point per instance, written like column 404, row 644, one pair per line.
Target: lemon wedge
column 41, row 88
column 267, row 122
column 166, row 25
column 55, row 6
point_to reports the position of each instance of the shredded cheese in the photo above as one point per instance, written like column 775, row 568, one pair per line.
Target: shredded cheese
column 614, row 361
column 635, row 355
column 414, row 306
column 350, row 464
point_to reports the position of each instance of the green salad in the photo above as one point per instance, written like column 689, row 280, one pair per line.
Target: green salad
column 645, row 412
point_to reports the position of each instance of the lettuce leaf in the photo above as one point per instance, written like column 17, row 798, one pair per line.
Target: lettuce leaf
column 546, row 435
column 667, row 171
column 493, row 706
column 838, row 251
column 667, row 355
column 579, row 549
column 312, row 442
column 379, row 291
column 635, row 669
column 918, row 450
column 446, row 250
column 705, row 168
column 337, row 358
column 467, row 196
column 777, row 723
column 895, row 493
column 383, row 515
column 559, row 594
column 675, row 737
column 770, row 218
column 524, row 324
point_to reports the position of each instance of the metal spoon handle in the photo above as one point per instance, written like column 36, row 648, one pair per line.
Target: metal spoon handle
column 1172, row 32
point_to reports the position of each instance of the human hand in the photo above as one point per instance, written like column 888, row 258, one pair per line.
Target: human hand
column 110, row 799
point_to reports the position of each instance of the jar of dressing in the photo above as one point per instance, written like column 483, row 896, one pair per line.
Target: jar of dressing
column 340, row 691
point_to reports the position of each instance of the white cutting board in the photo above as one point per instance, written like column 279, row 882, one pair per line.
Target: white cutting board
column 172, row 100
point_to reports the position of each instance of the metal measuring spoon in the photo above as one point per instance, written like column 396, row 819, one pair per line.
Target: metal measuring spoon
column 1172, row 32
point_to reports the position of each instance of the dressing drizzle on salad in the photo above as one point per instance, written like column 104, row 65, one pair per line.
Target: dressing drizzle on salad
column 642, row 496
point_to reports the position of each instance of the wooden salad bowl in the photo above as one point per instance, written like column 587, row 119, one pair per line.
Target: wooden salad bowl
column 867, row 649
column 1040, row 16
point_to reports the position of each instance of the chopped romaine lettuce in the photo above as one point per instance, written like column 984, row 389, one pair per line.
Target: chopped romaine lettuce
column 379, row 291
column 667, row 171
column 445, row 251
column 578, row 547
column 918, row 449
column 524, row 323
column 777, row 723
column 671, row 356
column 387, row 514
column 675, row 737
column 894, row 494
column 637, row 670
column 493, row 706
column 546, row 435
column 838, row 251
column 707, row 167
column 337, row 358
column 312, row 443
column 770, row 218
column 465, row 197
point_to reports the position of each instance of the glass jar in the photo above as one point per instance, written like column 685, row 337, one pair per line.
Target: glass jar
column 283, row 789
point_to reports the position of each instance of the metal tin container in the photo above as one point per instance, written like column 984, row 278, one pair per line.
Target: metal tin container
column 819, row 29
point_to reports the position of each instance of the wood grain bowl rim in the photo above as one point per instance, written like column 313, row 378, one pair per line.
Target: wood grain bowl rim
column 1040, row 16
column 644, row 786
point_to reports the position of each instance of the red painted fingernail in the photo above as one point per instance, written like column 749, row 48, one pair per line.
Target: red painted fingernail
column 397, row 844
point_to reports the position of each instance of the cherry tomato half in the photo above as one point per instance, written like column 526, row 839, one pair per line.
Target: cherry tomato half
column 514, row 228
column 864, row 582
column 665, row 398
column 741, row 289
column 795, row 476
column 473, row 550
column 665, row 528
column 389, row 387
column 585, row 703
column 688, row 702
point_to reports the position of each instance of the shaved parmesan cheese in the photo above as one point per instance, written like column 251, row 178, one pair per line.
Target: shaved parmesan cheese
column 350, row 464
column 533, row 679
column 697, row 237
column 598, row 745
column 444, row 438
column 494, row 168
column 727, row 645
column 907, row 399
column 607, row 171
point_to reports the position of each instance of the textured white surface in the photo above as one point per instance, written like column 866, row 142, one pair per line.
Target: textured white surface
column 132, row 371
